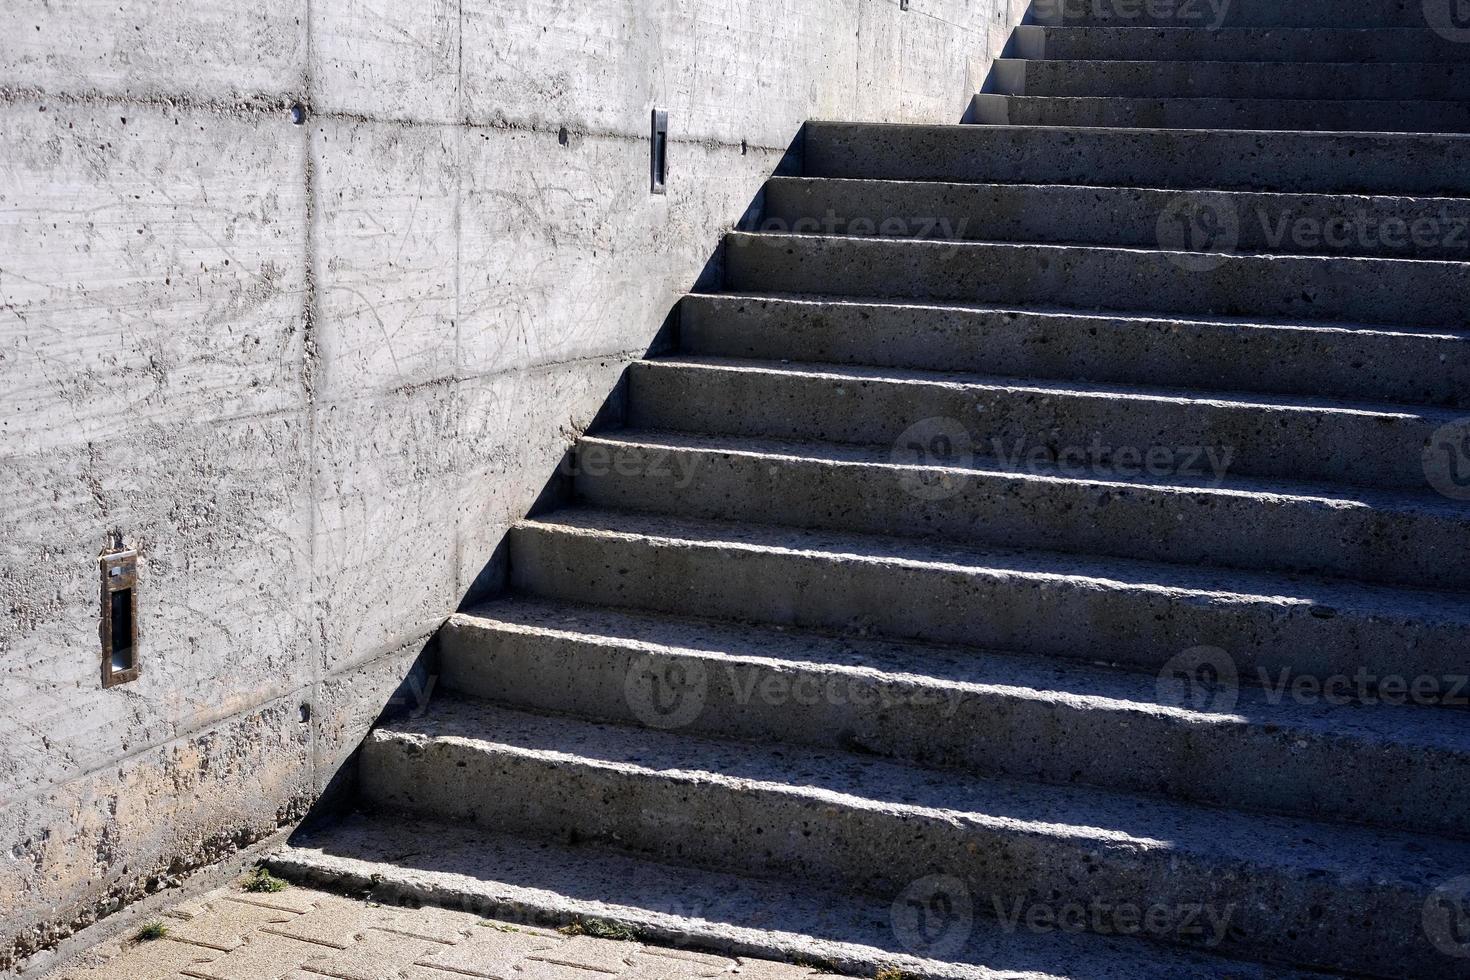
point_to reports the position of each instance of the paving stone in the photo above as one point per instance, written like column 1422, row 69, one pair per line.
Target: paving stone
column 303, row 934
column 225, row 924
column 415, row 973
column 440, row 925
column 155, row 960
column 543, row 970
column 589, row 952
column 647, row 965
column 264, row 957
column 720, row 963
column 490, row 953
column 335, row 922
column 750, row 969
column 377, row 956
column 195, row 907
column 295, row 900
column 517, row 927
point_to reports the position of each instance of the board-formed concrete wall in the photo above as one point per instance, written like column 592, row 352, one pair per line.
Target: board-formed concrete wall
column 313, row 366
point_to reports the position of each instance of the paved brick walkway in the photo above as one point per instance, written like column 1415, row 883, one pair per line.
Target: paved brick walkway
column 299, row 934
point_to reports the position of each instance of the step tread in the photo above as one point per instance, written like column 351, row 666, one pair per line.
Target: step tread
column 1063, row 312
column 1353, row 199
column 1208, row 99
column 1107, row 820
column 957, row 669
column 839, row 454
column 747, row 239
column 1251, row 114
column 551, row 883
column 1003, row 129
column 1231, row 65
column 1226, row 31
column 1050, row 387
column 1185, row 583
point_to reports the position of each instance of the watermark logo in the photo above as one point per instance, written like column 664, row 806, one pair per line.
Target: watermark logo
column 594, row 460
column 1447, row 460
column 1202, row 679
column 1199, row 231
column 1107, row 461
column 934, row 917
column 944, row 448
column 1209, row 14
column 939, row 456
column 1443, row 234
column 1207, row 679
column 1447, row 918
column 666, row 693
column 1365, row 687
column 1450, row 19
column 1195, row 922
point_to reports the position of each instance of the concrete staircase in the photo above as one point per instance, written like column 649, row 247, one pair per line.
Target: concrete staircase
column 977, row 557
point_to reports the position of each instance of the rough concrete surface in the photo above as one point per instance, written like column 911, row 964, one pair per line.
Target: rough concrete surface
column 548, row 883
column 832, row 818
column 302, row 933
column 1045, row 603
column 865, row 606
column 305, row 300
column 970, row 710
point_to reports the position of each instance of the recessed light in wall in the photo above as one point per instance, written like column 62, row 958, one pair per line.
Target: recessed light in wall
column 119, row 618
column 660, row 152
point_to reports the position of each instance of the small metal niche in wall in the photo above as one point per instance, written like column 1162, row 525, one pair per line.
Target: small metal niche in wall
column 660, row 162
column 120, row 618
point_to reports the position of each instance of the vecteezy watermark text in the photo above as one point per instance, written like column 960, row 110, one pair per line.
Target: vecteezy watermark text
column 1185, row 13
column 867, row 226
column 936, row 453
column 934, row 917
column 1208, row 679
column 673, row 692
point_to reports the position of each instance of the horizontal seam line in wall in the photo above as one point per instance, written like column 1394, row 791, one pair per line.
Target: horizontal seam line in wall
column 250, row 104
column 262, row 103
column 279, row 695
column 629, row 355
column 548, row 129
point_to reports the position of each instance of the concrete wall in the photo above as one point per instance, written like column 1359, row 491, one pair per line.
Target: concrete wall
column 313, row 371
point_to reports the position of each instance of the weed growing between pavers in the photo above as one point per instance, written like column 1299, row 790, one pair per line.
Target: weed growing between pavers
column 262, row 881
column 599, row 929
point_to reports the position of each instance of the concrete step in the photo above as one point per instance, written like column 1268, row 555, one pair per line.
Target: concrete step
column 1197, row 79
column 1278, row 438
column 1409, row 367
column 415, row 862
column 1215, row 14
column 1337, row 115
column 1335, row 44
column 977, row 711
column 1082, row 506
column 1328, row 163
column 1199, row 221
column 1136, row 614
column 1300, row 892
column 1369, row 290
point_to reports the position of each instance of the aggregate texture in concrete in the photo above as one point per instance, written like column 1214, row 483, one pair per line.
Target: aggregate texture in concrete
column 306, row 934
column 305, row 300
